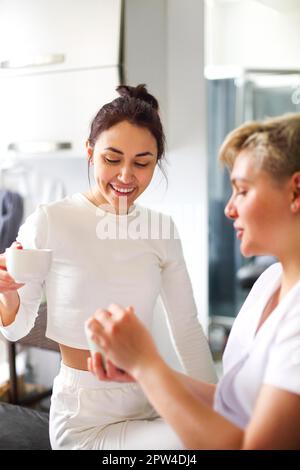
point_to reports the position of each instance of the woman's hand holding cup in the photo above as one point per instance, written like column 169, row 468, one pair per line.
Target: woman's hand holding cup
column 28, row 264
column 7, row 282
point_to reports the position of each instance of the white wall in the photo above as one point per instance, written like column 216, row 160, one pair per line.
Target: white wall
column 187, row 138
column 145, row 47
column 164, row 49
column 186, row 196
column 250, row 34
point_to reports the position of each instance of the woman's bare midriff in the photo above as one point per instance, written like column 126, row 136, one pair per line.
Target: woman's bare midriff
column 75, row 358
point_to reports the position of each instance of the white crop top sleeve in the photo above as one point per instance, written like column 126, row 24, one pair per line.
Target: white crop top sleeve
column 32, row 234
column 188, row 337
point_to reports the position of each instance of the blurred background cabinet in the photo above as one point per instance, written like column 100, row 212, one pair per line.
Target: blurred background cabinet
column 52, row 111
column 59, row 63
column 40, row 35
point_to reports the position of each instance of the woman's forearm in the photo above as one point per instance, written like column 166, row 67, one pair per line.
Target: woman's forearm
column 203, row 390
column 195, row 422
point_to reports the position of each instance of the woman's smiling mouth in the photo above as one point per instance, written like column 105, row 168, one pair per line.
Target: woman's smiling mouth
column 121, row 191
column 239, row 231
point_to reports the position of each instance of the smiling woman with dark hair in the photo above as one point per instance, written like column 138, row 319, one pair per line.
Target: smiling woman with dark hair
column 104, row 249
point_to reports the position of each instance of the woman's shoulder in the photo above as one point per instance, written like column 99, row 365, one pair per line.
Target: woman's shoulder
column 73, row 201
column 270, row 274
column 160, row 225
column 153, row 211
column 53, row 211
column 264, row 285
column 154, row 214
column 269, row 278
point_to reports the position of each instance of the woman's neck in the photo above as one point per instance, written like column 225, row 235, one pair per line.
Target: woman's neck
column 290, row 275
column 98, row 200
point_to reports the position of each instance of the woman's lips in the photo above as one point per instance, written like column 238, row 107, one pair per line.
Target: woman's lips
column 122, row 193
column 239, row 233
column 239, row 230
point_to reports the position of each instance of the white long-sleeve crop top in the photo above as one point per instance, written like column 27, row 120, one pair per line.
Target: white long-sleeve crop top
column 101, row 258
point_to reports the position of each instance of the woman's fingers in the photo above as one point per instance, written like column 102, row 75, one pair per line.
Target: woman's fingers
column 112, row 371
column 6, row 277
column 7, row 283
column 7, row 280
column 107, row 317
column 12, row 288
column 97, row 367
column 95, row 331
column 103, row 316
column 116, row 374
column 118, row 312
column 94, row 325
column 90, row 365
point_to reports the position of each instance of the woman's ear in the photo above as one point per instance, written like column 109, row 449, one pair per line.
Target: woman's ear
column 295, row 182
column 89, row 152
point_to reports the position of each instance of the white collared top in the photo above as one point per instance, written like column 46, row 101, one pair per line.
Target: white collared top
column 270, row 356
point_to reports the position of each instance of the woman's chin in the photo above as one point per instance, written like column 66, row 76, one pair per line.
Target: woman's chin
column 246, row 251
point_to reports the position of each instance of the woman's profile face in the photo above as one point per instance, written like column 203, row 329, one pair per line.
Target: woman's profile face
column 124, row 159
column 259, row 207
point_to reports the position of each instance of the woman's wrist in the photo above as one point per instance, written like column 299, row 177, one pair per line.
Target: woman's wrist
column 148, row 366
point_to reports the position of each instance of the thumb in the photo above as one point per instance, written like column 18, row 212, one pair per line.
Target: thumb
column 130, row 309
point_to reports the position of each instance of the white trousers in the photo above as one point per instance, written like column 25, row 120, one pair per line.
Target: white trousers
column 87, row 413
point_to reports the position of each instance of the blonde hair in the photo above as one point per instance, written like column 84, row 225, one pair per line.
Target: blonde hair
column 274, row 144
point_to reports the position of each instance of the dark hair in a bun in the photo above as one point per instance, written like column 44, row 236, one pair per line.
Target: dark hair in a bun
column 136, row 106
column 139, row 92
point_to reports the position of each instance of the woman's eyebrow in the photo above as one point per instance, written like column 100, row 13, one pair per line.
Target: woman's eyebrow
column 142, row 154
column 112, row 149
column 239, row 180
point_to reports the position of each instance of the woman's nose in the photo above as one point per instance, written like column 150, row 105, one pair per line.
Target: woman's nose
column 126, row 175
column 230, row 210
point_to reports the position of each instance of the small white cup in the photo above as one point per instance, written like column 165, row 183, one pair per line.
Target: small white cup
column 28, row 265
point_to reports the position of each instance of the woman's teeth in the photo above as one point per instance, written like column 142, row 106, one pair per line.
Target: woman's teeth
column 122, row 190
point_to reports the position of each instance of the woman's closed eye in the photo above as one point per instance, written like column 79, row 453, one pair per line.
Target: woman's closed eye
column 112, row 162
column 108, row 160
column 141, row 164
column 241, row 192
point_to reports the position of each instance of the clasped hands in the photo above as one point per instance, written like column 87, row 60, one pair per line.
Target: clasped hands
column 126, row 344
